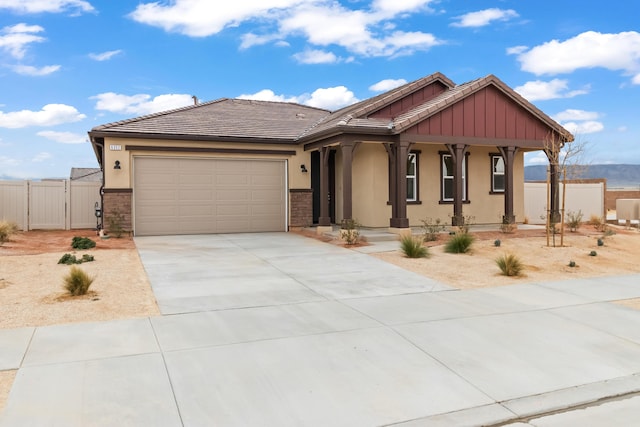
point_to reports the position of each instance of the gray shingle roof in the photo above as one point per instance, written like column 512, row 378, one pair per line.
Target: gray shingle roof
column 224, row 118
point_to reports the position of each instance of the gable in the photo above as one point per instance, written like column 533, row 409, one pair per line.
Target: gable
column 486, row 113
column 410, row 101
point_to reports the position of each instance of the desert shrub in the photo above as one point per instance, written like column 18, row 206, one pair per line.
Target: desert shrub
column 497, row 243
column 600, row 242
column 574, row 219
column 77, row 282
column 431, row 228
column 599, row 223
column 572, row 264
column 7, row 228
column 115, row 223
column 350, row 231
column 510, row 265
column 459, row 243
column 508, row 227
column 69, row 259
column 82, row 243
column 464, row 223
column 593, row 253
column 412, row 247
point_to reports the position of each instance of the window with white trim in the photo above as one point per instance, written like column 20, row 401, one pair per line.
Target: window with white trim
column 497, row 174
column 412, row 177
column 448, row 171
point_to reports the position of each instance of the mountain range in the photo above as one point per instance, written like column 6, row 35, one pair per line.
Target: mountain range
column 617, row 176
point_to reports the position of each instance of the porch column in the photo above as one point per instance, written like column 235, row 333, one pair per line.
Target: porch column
column 398, row 154
column 324, row 220
column 457, row 152
column 508, row 155
column 347, row 148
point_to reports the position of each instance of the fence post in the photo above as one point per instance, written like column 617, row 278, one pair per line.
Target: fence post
column 67, row 204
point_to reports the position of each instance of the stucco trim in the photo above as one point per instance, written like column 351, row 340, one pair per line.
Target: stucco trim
column 208, row 150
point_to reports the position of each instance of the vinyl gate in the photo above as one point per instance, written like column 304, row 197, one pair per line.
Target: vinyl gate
column 49, row 205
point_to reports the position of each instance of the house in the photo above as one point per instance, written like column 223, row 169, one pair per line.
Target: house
column 427, row 149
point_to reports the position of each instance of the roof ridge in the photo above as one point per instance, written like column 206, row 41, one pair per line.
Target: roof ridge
column 278, row 102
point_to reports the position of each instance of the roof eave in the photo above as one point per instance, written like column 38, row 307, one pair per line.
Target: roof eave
column 191, row 137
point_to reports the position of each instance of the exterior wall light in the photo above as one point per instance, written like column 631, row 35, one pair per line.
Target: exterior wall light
column 117, row 165
column 303, row 169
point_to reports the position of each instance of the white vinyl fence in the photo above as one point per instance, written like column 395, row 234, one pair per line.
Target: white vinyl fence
column 49, row 205
column 585, row 197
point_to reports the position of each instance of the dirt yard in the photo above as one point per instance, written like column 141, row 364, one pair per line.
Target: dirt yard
column 31, row 280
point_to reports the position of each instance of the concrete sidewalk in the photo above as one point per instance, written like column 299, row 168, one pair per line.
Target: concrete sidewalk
column 278, row 329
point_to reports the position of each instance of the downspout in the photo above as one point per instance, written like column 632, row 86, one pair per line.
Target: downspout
column 101, row 162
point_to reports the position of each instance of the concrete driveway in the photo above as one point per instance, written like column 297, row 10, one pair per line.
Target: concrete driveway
column 282, row 330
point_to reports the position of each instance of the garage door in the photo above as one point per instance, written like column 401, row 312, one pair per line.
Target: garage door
column 194, row 196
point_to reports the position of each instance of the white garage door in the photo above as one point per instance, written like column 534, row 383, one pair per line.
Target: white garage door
column 196, row 196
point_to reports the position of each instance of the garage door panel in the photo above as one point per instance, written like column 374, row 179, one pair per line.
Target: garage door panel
column 189, row 196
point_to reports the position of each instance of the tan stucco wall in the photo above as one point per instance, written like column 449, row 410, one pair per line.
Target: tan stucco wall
column 370, row 187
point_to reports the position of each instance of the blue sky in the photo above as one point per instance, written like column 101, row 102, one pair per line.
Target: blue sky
column 69, row 65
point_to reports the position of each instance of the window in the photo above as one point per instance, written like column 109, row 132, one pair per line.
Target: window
column 412, row 177
column 448, row 171
column 497, row 174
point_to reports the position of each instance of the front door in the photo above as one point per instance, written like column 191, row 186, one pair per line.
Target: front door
column 315, row 185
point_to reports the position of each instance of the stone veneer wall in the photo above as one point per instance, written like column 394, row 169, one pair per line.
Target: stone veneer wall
column 301, row 200
column 117, row 200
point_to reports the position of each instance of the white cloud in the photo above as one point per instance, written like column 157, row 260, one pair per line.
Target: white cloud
column 314, row 56
column 484, row 17
column 140, row 104
column 572, row 114
column 516, row 50
column 15, row 39
column 535, row 158
column 636, row 79
column 28, row 70
column 394, row 7
column 41, row 157
column 63, row 137
column 590, row 49
column 8, row 161
column 104, row 56
column 388, row 84
column 202, row 18
column 364, row 32
column 52, row 6
column 331, row 98
column 538, row 90
column 582, row 128
column 622, row 129
column 50, row 115
column 269, row 95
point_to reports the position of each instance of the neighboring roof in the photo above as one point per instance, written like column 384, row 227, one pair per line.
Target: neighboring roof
column 224, row 118
column 86, row 174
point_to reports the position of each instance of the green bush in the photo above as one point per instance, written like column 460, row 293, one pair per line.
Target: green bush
column 82, row 243
column 572, row 264
column 459, row 243
column 497, row 243
column 593, row 253
column 510, row 265
column 77, row 282
column 7, row 228
column 600, row 242
column 69, row 259
column 412, row 247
